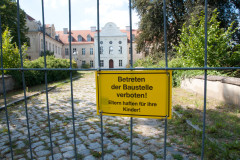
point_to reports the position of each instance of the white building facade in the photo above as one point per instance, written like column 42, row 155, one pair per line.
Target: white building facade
column 113, row 47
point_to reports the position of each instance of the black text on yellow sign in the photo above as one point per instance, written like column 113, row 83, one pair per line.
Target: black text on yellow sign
column 144, row 94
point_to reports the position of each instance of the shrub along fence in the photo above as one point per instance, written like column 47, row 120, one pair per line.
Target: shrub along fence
column 34, row 77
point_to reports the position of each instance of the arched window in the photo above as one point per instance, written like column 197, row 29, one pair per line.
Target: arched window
column 89, row 38
column 79, row 38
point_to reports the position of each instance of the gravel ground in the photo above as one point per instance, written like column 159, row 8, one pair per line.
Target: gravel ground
column 148, row 134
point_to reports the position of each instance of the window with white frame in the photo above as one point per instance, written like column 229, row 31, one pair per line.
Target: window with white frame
column 56, row 49
column 91, row 51
column 66, row 51
column 83, row 51
column 59, row 50
column 46, row 45
column 120, row 63
column 79, row 38
column 91, row 63
column 129, row 50
column 50, row 46
column 74, row 50
column 53, row 47
column 120, row 49
column 101, row 63
column 89, row 38
column 110, row 50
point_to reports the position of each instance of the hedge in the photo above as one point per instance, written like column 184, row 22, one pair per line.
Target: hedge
column 38, row 77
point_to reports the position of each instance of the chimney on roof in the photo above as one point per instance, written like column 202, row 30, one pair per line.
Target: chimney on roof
column 93, row 29
column 65, row 30
column 127, row 28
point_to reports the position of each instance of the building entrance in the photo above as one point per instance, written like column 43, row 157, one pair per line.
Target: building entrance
column 110, row 63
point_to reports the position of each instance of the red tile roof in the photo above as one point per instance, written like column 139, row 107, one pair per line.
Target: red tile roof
column 84, row 33
column 47, row 25
column 134, row 31
column 75, row 33
column 30, row 18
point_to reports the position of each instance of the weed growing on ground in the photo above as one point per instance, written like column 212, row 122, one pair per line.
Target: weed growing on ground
column 177, row 156
column 96, row 154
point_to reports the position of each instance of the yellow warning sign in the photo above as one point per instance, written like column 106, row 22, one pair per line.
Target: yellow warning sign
column 145, row 94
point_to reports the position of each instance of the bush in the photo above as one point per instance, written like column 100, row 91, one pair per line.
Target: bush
column 86, row 65
column 222, row 50
column 38, row 77
column 48, row 53
column 177, row 75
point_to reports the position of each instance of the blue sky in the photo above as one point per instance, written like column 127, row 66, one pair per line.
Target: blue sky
column 84, row 13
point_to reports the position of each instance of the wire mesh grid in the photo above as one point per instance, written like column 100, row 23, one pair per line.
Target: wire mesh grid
column 72, row 113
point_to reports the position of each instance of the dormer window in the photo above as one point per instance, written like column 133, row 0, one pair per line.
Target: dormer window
column 69, row 39
column 89, row 38
column 79, row 38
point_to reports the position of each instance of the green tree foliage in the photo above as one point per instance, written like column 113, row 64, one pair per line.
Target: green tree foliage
column 229, row 11
column 151, row 26
column 220, row 47
column 11, row 55
column 48, row 53
column 8, row 12
column 87, row 65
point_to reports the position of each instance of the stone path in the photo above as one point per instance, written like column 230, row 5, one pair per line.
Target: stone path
column 148, row 133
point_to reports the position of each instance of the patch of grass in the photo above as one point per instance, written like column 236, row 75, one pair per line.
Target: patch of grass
column 26, row 142
column 19, row 151
column 193, row 141
column 65, row 123
column 80, row 156
column 109, row 151
column 177, row 156
column 174, row 140
column 4, row 130
column 69, row 118
column 117, row 135
column 222, row 122
column 46, row 131
column 66, row 137
column 159, row 156
column 96, row 154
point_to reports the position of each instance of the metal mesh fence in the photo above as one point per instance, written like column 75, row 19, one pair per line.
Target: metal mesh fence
column 49, row 118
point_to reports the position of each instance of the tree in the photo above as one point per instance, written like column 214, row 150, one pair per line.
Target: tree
column 8, row 11
column 220, row 46
column 151, row 26
column 229, row 11
column 11, row 56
